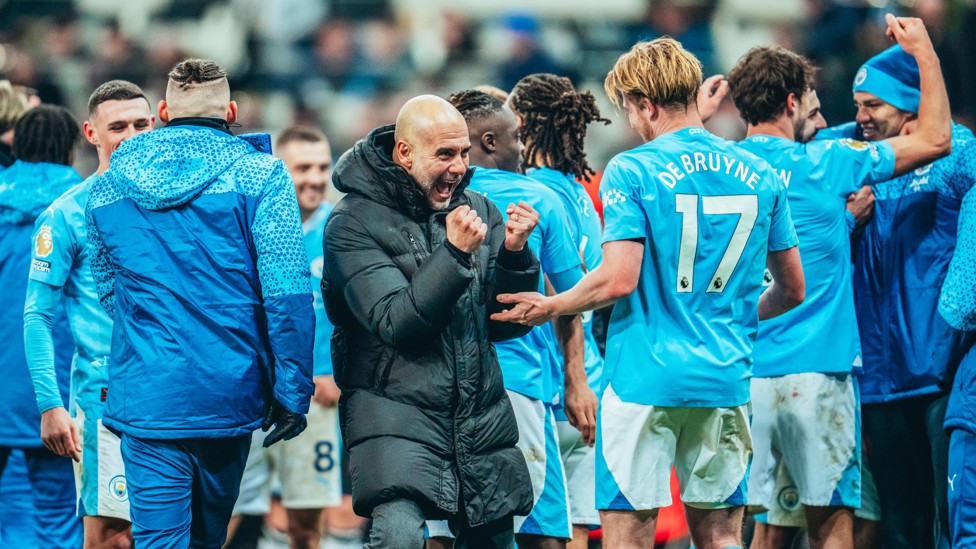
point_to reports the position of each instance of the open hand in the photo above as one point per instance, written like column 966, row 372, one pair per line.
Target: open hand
column 531, row 309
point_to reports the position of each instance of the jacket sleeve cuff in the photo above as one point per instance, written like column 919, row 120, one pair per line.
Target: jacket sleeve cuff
column 515, row 261
column 463, row 257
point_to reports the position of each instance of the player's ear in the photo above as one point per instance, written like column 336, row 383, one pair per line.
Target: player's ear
column 791, row 104
column 488, row 142
column 231, row 116
column 163, row 110
column 89, row 130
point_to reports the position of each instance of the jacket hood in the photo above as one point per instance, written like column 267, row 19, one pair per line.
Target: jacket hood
column 171, row 166
column 26, row 188
column 367, row 169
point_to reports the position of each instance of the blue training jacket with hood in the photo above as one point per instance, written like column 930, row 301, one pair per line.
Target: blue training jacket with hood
column 26, row 189
column 196, row 248
column 901, row 258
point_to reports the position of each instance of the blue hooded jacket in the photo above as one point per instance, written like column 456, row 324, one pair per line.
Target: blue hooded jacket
column 26, row 189
column 195, row 241
column 901, row 259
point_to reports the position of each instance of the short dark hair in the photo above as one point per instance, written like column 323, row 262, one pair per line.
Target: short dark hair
column 763, row 79
column 46, row 133
column 114, row 90
column 196, row 71
column 475, row 104
column 306, row 134
column 555, row 117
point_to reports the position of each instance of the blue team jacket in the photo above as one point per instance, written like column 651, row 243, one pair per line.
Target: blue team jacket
column 901, row 259
column 26, row 189
column 195, row 240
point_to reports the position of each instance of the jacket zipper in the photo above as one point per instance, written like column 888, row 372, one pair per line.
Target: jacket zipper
column 418, row 251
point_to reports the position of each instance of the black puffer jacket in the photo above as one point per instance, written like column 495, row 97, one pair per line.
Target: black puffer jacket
column 423, row 410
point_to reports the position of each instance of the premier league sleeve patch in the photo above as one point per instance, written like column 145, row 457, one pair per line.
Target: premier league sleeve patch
column 43, row 242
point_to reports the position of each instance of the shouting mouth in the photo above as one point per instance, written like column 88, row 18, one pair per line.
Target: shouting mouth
column 443, row 190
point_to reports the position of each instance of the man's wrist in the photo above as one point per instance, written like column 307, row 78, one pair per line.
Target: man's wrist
column 515, row 261
column 463, row 257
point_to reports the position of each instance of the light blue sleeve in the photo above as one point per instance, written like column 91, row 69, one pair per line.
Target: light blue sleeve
column 622, row 196
column 846, row 165
column 283, row 268
column 42, row 303
column 782, row 234
column 323, row 336
column 559, row 257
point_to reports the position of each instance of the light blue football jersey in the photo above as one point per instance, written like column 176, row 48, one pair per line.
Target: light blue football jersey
column 586, row 230
column 530, row 364
column 60, row 260
column 708, row 212
column 314, row 227
column 820, row 335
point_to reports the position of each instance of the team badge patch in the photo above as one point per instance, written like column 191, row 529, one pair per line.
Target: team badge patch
column 43, row 243
column 855, row 144
column 117, row 487
column 789, row 498
column 861, row 76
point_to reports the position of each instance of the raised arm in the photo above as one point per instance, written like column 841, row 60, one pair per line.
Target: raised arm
column 932, row 138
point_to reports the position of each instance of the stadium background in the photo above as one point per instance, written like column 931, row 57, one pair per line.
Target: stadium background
column 348, row 65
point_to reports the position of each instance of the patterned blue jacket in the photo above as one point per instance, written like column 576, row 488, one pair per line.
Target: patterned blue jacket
column 195, row 241
column 901, row 260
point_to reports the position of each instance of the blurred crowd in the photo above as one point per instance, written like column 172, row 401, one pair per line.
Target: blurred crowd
column 348, row 65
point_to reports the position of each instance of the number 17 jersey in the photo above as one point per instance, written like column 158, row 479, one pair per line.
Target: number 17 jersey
column 707, row 212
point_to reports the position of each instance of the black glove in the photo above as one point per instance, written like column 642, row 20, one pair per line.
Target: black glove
column 287, row 424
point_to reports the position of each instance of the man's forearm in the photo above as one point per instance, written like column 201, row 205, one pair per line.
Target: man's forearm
column 569, row 333
column 596, row 290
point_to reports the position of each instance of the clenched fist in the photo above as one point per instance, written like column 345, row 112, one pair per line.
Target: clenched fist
column 521, row 220
column 465, row 229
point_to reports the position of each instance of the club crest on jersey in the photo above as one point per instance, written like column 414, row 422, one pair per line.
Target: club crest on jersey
column 789, row 498
column 855, row 144
column 117, row 487
column 861, row 76
column 43, row 243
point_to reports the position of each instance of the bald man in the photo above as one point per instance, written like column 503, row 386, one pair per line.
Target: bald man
column 412, row 265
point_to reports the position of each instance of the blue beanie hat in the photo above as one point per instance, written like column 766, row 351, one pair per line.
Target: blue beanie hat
column 891, row 76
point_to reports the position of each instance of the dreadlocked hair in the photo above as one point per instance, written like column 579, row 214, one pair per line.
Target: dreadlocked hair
column 46, row 133
column 475, row 104
column 554, row 121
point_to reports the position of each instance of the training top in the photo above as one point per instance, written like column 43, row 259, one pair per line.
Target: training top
column 820, row 335
column 196, row 249
column 707, row 212
column 530, row 364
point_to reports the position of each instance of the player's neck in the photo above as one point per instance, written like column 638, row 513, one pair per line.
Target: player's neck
column 781, row 127
column 671, row 122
